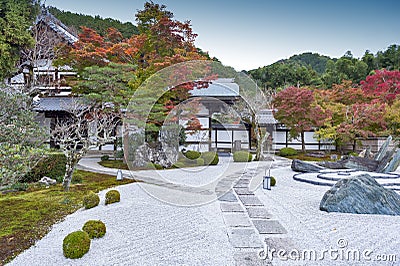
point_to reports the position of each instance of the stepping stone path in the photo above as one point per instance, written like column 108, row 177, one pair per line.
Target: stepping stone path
column 250, row 225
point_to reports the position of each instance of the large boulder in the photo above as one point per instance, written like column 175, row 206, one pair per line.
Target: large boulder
column 361, row 194
column 47, row 181
column 303, row 167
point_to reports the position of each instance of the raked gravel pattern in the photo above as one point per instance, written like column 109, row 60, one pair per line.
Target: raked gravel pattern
column 144, row 231
column 296, row 206
column 140, row 231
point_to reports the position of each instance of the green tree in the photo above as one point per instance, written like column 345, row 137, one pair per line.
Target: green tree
column 392, row 118
column 108, row 83
column 345, row 68
column 21, row 138
column 390, row 58
column 369, row 59
column 76, row 21
column 16, row 16
column 353, row 114
column 285, row 74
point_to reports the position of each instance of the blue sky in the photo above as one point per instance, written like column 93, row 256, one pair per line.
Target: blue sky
column 254, row 33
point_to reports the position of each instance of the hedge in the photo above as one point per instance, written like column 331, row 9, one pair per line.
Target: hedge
column 242, row 156
column 52, row 165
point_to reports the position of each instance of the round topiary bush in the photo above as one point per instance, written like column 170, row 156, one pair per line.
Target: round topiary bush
column 242, row 156
column 91, row 200
column 94, row 228
column 112, row 196
column 273, row 181
column 76, row 244
column 287, row 152
column 210, row 158
column 200, row 161
column 154, row 166
column 178, row 165
column 192, row 155
column 105, row 158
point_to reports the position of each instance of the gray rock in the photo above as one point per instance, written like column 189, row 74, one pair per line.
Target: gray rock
column 361, row 194
column 47, row 181
column 382, row 151
column 394, row 163
column 300, row 166
column 358, row 163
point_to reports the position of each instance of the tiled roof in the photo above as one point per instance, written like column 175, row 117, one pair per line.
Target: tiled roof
column 218, row 88
column 53, row 104
column 56, row 25
column 266, row 117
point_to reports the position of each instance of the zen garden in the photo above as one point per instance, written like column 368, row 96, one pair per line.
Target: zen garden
column 125, row 144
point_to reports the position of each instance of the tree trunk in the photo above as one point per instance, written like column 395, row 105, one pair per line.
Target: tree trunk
column 303, row 145
column 259, row 143
column 69, row 171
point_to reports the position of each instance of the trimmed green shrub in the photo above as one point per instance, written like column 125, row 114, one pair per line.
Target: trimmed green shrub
column 91, row 200
column 273, row 181
column 119, row 154
column 200, row 161
column 51, row 165
column 19, row 186
column 242, row 156
column 287, row 152
column 178, row 165
column 112, row 196
column 210, row 158
column 192, row 155
column 354, row 154
column 154, row 166
column 76, row 244
column 94, row 228
column 105, row 158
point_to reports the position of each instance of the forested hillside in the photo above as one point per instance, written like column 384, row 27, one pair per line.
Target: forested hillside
column 75, row 21
column 314, row 60
column 312, row 69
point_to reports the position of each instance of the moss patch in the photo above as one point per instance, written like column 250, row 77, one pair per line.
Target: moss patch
column 27, row 216
column 94, row 228
column 117, row 164
column 76, row 244
column 112, row 196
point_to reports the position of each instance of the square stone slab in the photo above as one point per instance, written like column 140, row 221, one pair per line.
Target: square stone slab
column 243, row 258
column 236, row 219
column 228, row 196
column 269, row 227
column 243, row 191
column 231, row 207
column 246, row 177
column 244, row 238
column 242, row 184
column 258, row 212
column 250, row 200
column 278, row 243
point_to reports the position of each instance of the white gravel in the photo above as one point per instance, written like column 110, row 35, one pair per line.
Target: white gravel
column 144, row 231
column 140, row 231
column 296, row 206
